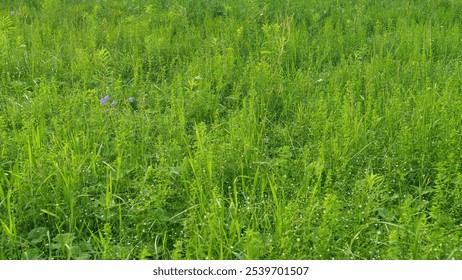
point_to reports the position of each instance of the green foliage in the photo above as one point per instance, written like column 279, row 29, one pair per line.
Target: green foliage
column 256, row 129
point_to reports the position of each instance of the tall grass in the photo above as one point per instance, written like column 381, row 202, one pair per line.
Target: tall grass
column 232, row 130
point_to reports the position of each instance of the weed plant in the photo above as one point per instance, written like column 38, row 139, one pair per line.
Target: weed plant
column 260, row 129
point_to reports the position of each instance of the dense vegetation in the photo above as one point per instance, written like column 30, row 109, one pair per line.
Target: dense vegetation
column 261, row 129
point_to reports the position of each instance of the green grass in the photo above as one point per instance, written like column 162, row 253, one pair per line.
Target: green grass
column 259, row 129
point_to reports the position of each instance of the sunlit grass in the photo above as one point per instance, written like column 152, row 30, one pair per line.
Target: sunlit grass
column 230, row 130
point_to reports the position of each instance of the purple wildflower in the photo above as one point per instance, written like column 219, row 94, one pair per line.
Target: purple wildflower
column 114, row 103
column 104, row 100
column 131, row 99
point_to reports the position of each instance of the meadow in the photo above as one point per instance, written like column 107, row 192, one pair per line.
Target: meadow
column 258, row 129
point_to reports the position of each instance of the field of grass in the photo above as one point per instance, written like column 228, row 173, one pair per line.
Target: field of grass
column 258, row 129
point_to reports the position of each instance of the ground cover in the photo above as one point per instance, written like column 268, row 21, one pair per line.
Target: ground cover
column 230, row 129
